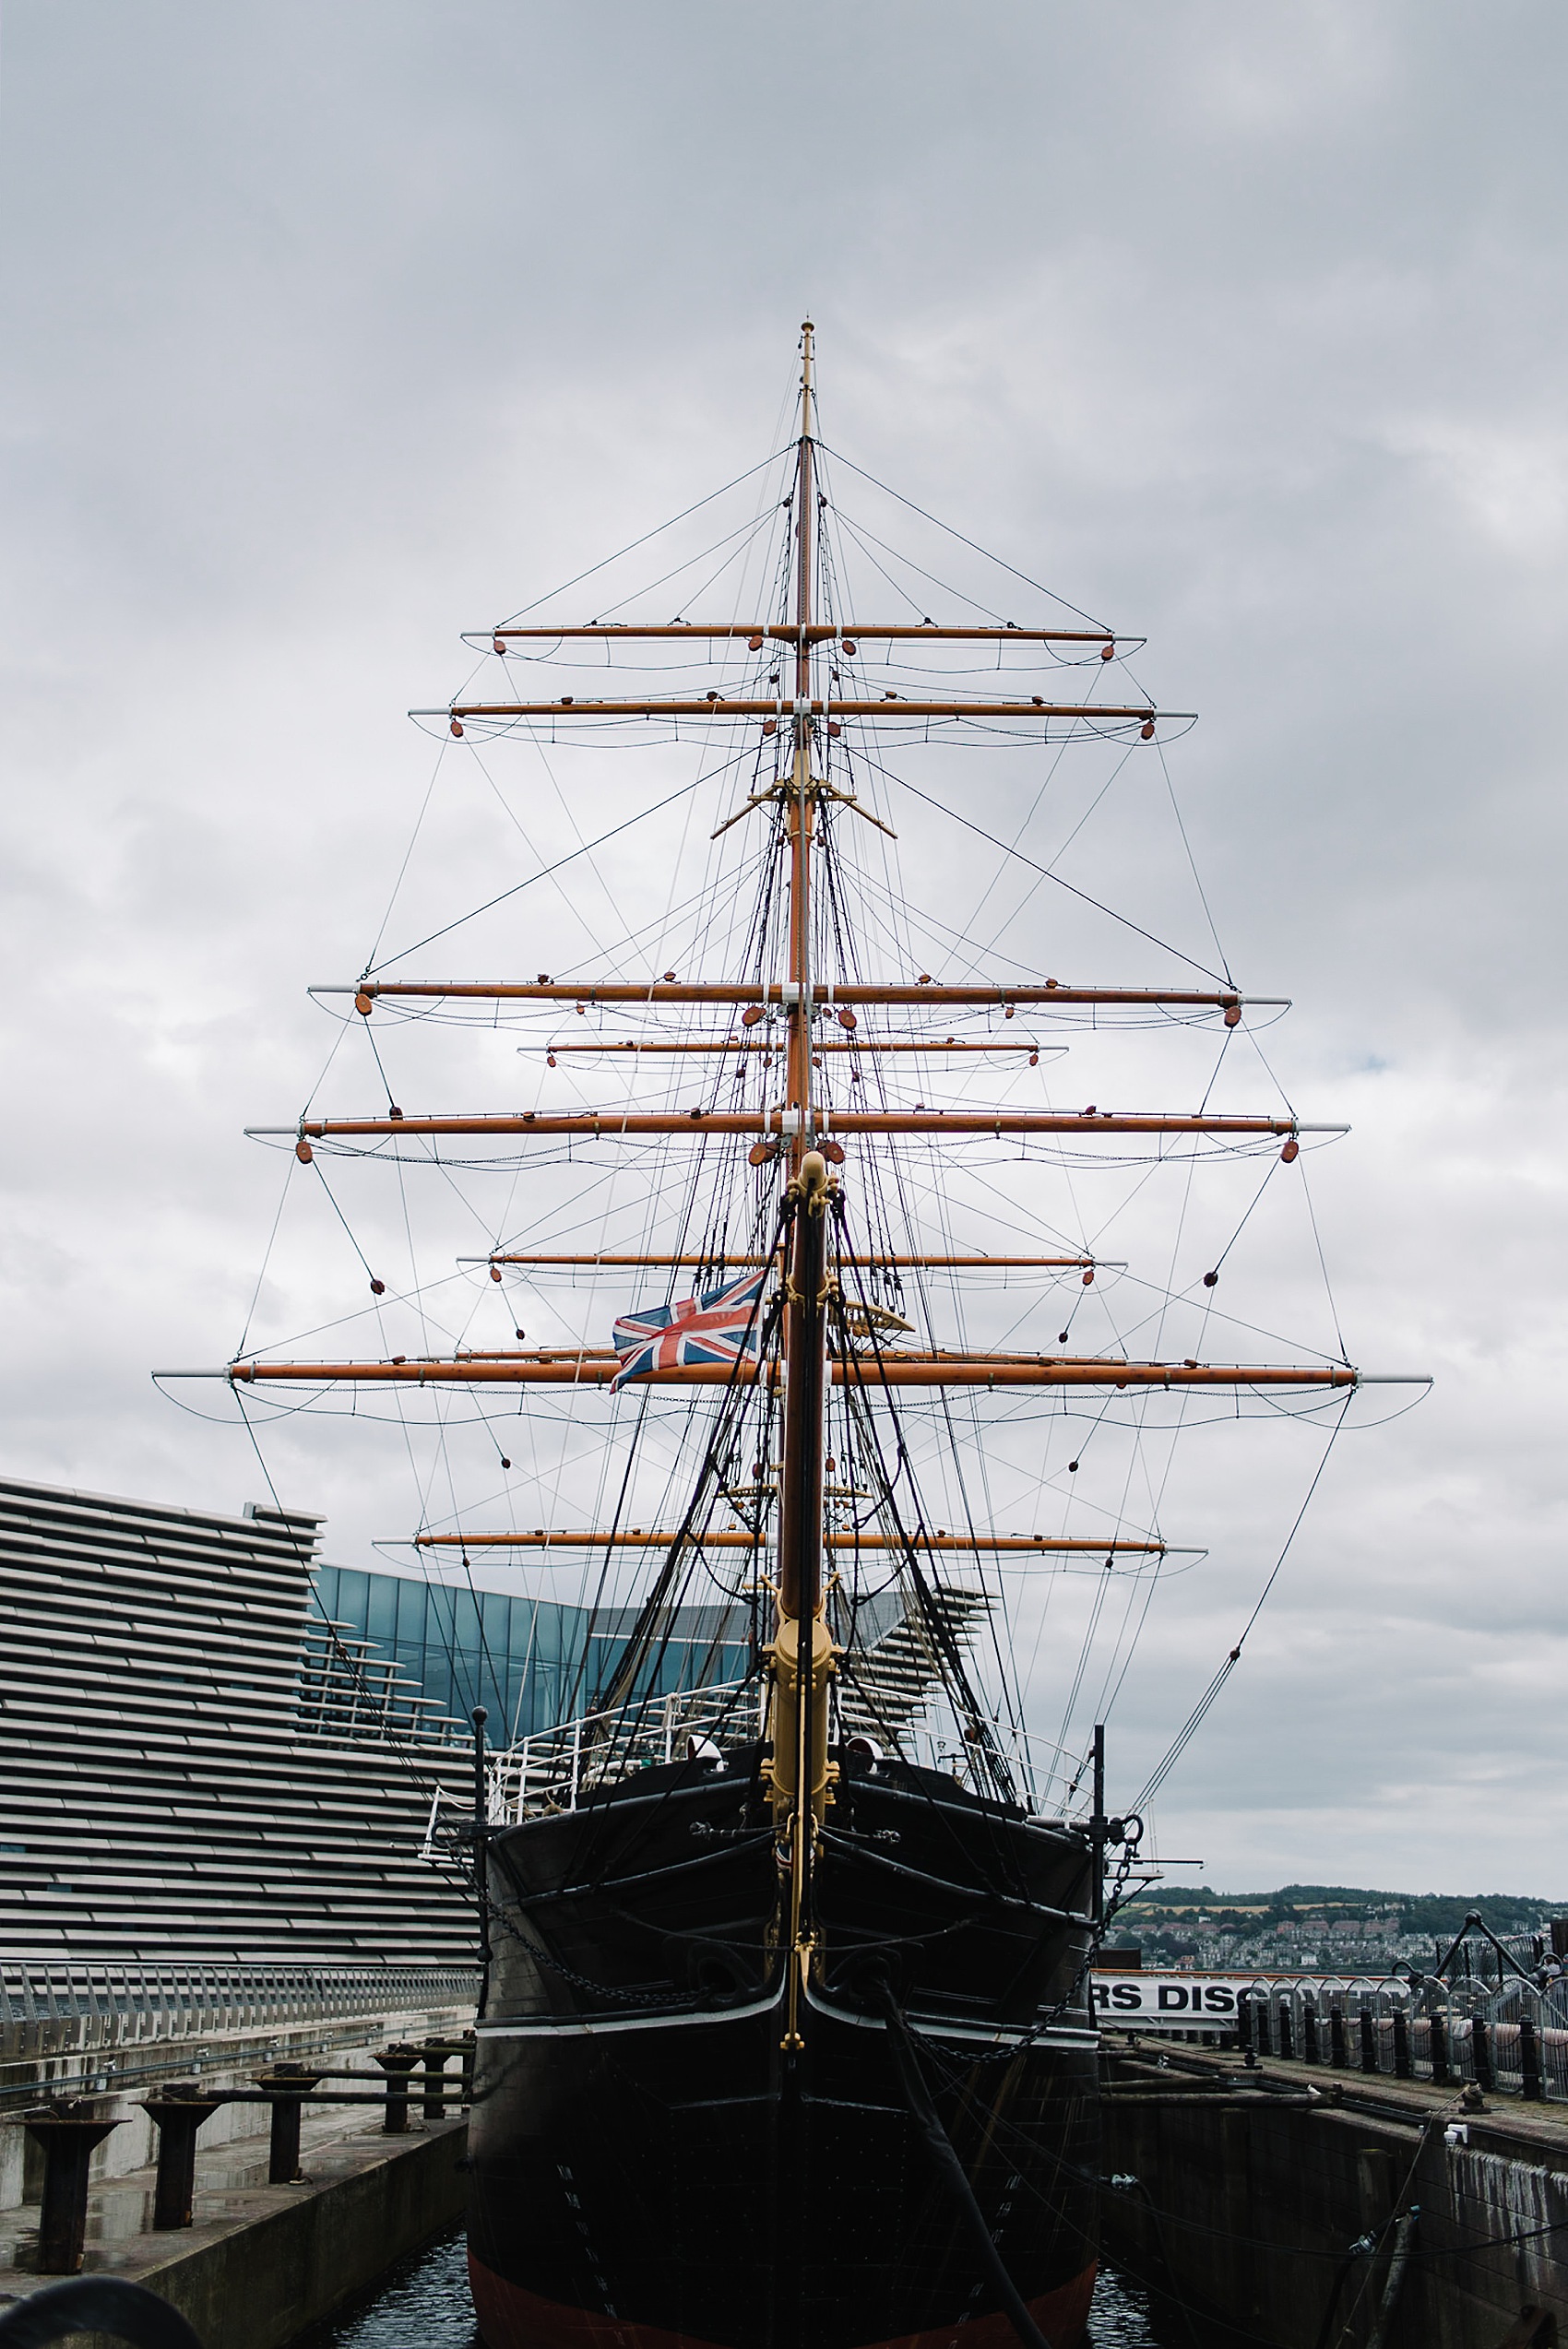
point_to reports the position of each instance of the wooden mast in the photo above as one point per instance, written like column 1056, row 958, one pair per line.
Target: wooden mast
column 802, row 1656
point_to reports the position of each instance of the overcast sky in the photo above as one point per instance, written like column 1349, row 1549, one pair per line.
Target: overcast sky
column 329, row 331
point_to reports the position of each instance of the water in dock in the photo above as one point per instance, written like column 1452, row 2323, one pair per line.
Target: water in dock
column 425, row 2304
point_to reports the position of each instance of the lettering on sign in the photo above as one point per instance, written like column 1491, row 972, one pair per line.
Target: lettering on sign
column 1179, row 2000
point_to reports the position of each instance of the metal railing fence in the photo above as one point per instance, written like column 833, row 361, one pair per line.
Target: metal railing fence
column 113, row 2005
column 1514, row 2040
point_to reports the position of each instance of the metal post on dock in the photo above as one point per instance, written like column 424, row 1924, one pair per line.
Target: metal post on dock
column 398, row 2062
column 1244, row 2033
column 1439, row 2047
column 177, row 2111
column 1530, row 2060
column 286, row 2086
column 1338, row 2053
column 1287, row 2037
column 1480, row 2052
column 1369, row 2039
column 436, row 2054
column 68, row 2131
column 1309, row 2028
column 1401, row 2044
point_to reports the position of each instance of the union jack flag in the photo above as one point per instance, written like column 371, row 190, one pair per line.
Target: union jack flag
column 709, row 1328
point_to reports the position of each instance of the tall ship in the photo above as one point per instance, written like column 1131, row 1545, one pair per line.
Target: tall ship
column 829, row 1401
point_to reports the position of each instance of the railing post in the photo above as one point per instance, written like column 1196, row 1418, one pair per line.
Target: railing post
column 1369, row 2040
column 1244, row 2033
column 1440, row 2074
column 436, row 2054
column 1309, row 2028
column 1401, row 2045
column 1480, row 2052
column 1287, row 2035
column 398, row 2062
column 1338, row 2053
column 285, row 2086
column 67, row 2133
column 177, row 2112
column 1529, row 2058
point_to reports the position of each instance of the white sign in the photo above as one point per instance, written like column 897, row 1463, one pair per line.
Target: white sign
column 1169, row 2001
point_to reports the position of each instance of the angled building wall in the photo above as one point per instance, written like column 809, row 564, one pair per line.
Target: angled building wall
column 186, row 1769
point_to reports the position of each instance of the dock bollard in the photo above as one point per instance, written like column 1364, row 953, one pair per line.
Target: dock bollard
column 1401, row 2044
column 1338, row 2053
column 436, row 2054
column 177, row 2111
column 1529, row 2060
column 67, row 2133
column 1286, row 2044
column 1369, row 2042
column 1309, row 2029
column 398, row 2062
column 1480, row 2052
column 285, row 2086
column 1439, row 2046
column 1244, row 2022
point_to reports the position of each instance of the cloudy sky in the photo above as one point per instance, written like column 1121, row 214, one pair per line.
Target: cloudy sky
column 329, row 332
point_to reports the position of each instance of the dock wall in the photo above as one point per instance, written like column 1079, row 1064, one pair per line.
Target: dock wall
column 282, row 2258
column 1245, row 2201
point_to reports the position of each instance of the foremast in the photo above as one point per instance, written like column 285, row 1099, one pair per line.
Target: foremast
column 802, row 1657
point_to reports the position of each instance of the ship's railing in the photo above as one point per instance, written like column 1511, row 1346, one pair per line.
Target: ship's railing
column 62, row 2007
column 1514, row 2041
column 1050, row 1780
column 553, row 1769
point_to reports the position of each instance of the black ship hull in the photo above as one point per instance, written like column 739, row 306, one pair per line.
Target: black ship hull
column 652, row 2167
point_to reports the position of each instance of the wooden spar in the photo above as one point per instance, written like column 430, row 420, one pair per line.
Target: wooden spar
column 893, row 1370
column 889, row 992
column 820, row 1044
column 819, row 633
column 720, row 1263
column 732, row 1538
column 753, row 705
column 611, row 1124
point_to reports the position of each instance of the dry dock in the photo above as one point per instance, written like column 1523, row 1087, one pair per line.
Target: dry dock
column 1301, row 2206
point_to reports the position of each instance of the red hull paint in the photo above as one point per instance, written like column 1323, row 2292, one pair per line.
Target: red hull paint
column 511, row 2317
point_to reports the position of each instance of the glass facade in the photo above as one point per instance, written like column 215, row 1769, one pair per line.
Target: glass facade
column 530, row 1662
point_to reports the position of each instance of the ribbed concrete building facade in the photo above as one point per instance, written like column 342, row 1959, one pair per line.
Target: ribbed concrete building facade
column 215, row 1748
column 193, row 1766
